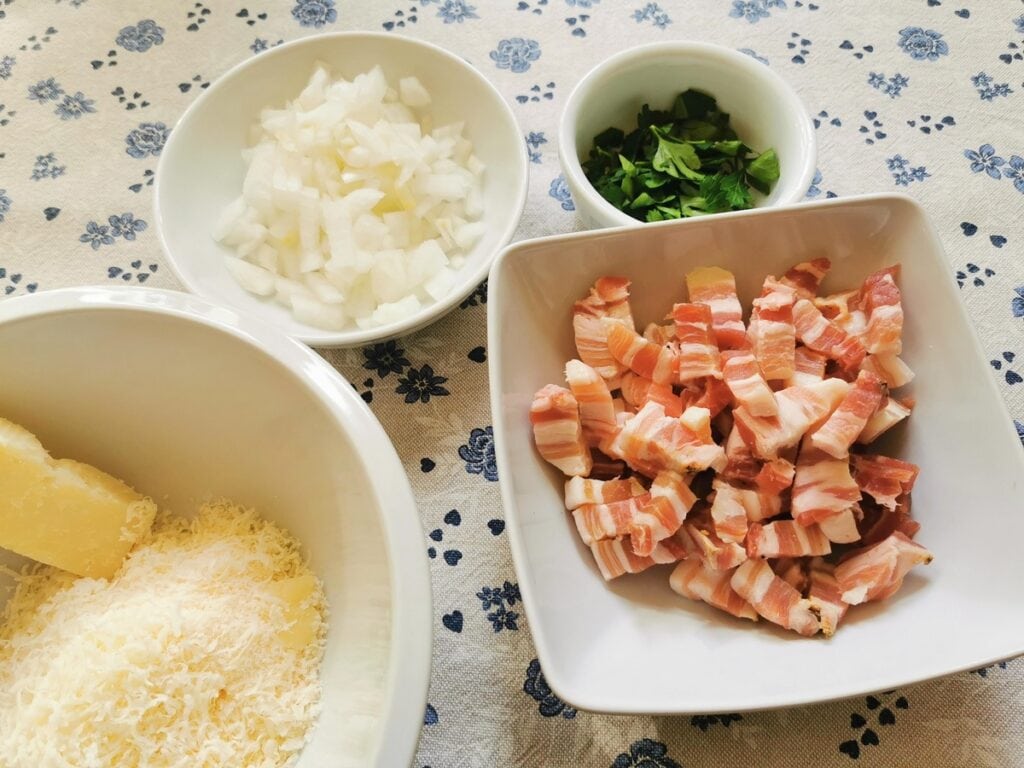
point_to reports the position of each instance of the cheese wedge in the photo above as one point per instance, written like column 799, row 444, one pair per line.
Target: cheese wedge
column 65, row 513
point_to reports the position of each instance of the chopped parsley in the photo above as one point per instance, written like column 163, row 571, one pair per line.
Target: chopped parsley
column 686, row 161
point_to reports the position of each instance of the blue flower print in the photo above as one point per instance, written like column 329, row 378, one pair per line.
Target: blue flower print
column 560, row 191
column 478, row 453
column 477, row 297
column 985, row 159
column 988, row 88
column 814, row 190
column 903, row 173
column 421, row 385
column 516, row 54
column 1015, row 171
column 46, row 167
column 141, row 37
column 533, row 141
column 73, row 107
column 704, row 722
column 5, row 204
column 549, row 704
column 96, row 235
column 45, row 90
column 126, row 226
column 646, row 753
column 653, row 13
column 754, row 55
column 1016, row 306
column 921, row 44
column 147, row 139
column 314, row 13
column 892, row 87
column 385, row 358
column 6, row 65
column 456, row 11
column 751, row 10
column 501, row 599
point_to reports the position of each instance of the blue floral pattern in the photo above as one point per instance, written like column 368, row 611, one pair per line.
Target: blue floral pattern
column 537, row 688
column 456, row 11
column 141, row 37
column 46, row 167
column 478, row 453
column 314, row 13
column 146, row 140
column 652, row 13
column 645, row 753
column 516, row 54
column 560, row 191
column 923, row 44
column 498, row 602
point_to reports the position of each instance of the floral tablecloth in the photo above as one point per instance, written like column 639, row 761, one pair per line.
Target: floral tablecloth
column 920, row 96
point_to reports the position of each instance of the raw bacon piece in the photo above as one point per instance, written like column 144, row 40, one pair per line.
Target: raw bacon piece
column 608, row 521
column 876, row 572
column 825, row 597
column 663, row 395
column 881, row 300
column 890, row 413
column 800, row 408
column 824, row 336
column 771, row 330
column 840, row 528
column 748, row 387
column 583, row 490
column 615, row 557
column 715, row 397
column 698, row 355
column 775, row 476
column 741, row 464
column 654, row 440
column 717, row 554
column 555, row 417
column 662, row 516
column 808, row 367
column 791, row 570
column 806, row 276
column 695, row 580
column 634, row 389
column 884, row 522
column 884, row 478
column 845, row 311
column 786, row 538
column 822, row 487
column 641, row 356
column 597, row 412
column 728, row 515
column 716, row 287
column 608, row 298
column 847, row 421
column 888, row 367
column 773, row 598
column 660, row 334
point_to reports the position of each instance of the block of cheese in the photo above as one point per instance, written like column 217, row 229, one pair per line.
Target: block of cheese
column 65, row 513
column 301, row 609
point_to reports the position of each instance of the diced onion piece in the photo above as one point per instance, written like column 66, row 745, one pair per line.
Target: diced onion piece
column 252, row 278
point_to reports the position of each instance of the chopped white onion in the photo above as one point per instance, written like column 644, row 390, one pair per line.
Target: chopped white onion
column 354, row 208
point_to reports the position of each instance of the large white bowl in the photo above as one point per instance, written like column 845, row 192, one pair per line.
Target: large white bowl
column 764, row 111
column 201, row 167
column 187, row 401
column 632, row 645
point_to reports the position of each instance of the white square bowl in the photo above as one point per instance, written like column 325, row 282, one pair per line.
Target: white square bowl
column 634, row 646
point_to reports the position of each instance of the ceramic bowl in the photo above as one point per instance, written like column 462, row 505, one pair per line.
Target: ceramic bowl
column 764, row 110
column 188, row 401
column 632, row 645
column 201, row 168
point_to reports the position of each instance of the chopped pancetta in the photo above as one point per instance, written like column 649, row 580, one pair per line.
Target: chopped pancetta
column 847, row 421
column 660, row 334
column 643, row 357
column 585, row 490
column 557, row 432
column 608, row 298
column 716, row 287
column 791, row 570
column 597, row 411
column 771, row 330
column 773, row 598
column 880, row 523
column 716, row 396
column 884, row 478
column 825, row 596
column 881, row 300
column 694, row 579
column 824, row 336
column 876, row 572
column 663, row 515
column 799, row 408
column 663, row 395
column 634, row 389
column 841, row 527
column 615, row 557
column 786, row 538
column 608, row 521
column 890, row 413
column 728, row 515
column 716, row 553
column 653, row 440
column 747, row 385
column 822, row 487
column 698, row 354
column 805, row 277
column 808, row 367
column 889, row 368
column 774, row 476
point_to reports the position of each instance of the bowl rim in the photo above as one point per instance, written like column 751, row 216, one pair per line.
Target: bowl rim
column 749, row 67
column 520, row 561
column 318, row 337
column 411, row 637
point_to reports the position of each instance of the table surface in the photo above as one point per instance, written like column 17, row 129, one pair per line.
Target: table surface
column 918, row 96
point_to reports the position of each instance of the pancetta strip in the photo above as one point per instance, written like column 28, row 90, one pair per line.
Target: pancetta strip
column 555, row 417
column 608, row 298
column 692, row 578
column 841, row 527
column 748, row 387
column 847, row 421
column 889, row 368
column 773, row 598
column 806, row 277
column 728, row 515
column 716, row 288
column 881, row 301
column 800, row 407
column 643, row 357
column 825, row 596
column 659, row 518
column 822, row 487
column 650, row 439
column 584, row 490
column 792, row 571
column 876, row 572
column 808, row 367
column 771, row 330
column 890, row 413
column 715, row 396
column 597, row 412
column 883, row 478
column 608, row 521
column 824, row 336
column 615, row 557
column 698, row 353
column 786, row 538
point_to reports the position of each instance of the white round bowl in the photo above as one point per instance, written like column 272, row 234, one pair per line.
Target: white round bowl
column 187, row 401
column 201, row 168
column 764, row 111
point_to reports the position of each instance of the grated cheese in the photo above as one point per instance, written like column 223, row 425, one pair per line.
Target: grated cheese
column 186, row 657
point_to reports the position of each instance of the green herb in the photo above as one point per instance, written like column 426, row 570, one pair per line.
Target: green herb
column 686, row 161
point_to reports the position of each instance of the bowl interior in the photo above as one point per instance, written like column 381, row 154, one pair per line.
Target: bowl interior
column 763, row 109
column 633, row 645
column 185, row 412
column 201, row 168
